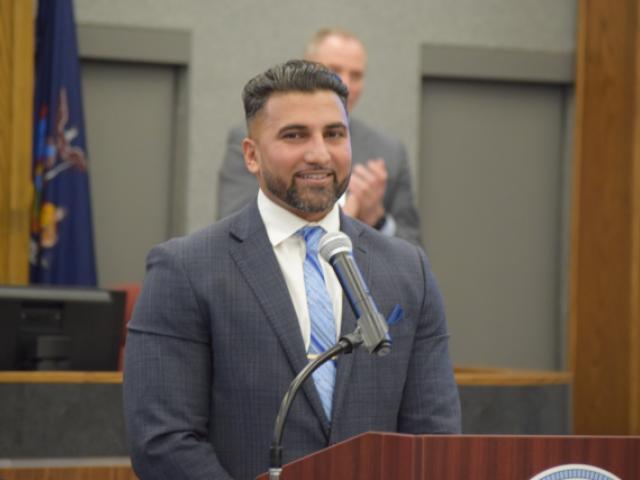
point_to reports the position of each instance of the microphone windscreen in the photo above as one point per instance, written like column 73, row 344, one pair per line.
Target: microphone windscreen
column 333, row 243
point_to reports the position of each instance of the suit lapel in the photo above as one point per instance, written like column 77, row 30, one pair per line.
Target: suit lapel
column 257, row 262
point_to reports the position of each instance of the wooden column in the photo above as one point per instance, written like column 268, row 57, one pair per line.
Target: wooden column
column 634, row 264
column 605, row 263
column 16, row 112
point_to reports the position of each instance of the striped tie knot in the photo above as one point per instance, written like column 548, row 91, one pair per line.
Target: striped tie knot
column 312, row 236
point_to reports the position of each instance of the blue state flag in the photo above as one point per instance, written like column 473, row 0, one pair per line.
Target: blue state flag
column 61, row 229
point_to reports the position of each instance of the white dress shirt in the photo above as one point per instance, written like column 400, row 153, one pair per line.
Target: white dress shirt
column 290, row 249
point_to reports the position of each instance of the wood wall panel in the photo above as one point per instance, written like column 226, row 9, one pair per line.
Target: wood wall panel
column 634, row 336
column 16, row 110
column 605, row 240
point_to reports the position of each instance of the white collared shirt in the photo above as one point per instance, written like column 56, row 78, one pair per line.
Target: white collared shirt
column 290, row 250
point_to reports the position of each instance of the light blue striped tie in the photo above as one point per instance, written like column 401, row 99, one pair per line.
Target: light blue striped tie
column 323, row 326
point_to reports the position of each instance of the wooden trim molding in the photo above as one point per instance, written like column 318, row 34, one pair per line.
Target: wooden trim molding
column 464, row 376
column 68, row 473
column 503, row 377
column 60, row 377
column 605, row 248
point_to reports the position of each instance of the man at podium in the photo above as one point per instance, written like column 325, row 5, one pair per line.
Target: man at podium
column 229, row 315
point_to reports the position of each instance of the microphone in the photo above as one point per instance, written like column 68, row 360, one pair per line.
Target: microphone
column 371, row 331
column 336, row 249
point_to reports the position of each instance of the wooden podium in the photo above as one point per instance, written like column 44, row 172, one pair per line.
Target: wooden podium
column 385, row 456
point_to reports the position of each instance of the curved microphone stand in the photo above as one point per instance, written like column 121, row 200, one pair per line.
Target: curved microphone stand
column 346, row 344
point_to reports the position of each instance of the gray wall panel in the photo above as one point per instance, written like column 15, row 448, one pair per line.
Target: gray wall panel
column 129, row 114
column 492, row 174
column 61, row 420
column 85, row 420
column 516, row 410
column 234, row 39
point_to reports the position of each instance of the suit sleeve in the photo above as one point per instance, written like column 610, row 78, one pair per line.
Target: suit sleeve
column 167, row 378
column 400, row 203
column 430, row 401
column 236, row 185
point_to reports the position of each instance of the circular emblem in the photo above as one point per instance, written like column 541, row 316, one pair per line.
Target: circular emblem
column 575, row 472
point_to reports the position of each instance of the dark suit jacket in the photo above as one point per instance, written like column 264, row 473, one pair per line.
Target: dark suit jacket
column 215, row 342
column 237, row 187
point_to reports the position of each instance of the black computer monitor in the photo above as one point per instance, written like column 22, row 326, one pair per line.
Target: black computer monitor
column 53, row 328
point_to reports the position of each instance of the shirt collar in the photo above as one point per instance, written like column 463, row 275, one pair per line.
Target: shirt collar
column 282, row 224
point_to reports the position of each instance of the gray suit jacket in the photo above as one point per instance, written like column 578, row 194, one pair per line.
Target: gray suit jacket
column 215, row 342
column 237, row 187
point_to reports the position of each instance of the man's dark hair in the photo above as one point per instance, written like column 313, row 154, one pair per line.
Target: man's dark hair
column 291, row 76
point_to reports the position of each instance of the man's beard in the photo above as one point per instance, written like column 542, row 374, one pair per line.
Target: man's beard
column 309, row 199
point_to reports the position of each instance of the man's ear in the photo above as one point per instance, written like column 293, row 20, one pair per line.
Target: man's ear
column 250, row 153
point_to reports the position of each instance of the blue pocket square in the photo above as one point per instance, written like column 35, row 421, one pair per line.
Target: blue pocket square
column 395, row 316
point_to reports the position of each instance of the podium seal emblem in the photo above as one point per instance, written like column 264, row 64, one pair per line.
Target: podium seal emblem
column 575, row 472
